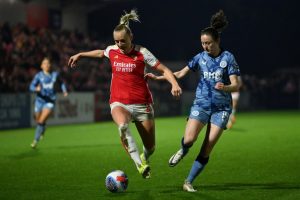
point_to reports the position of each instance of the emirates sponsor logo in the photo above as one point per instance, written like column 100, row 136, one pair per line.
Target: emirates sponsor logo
column 124, row 67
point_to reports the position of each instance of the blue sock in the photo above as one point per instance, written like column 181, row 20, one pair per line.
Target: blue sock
column 197, row 168
column 40, row 129
column 185, row 148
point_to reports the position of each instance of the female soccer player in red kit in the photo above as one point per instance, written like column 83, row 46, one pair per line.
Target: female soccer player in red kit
column 130, row 97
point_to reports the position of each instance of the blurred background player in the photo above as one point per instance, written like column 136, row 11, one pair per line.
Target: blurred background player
column 43, row 84
column 212, row 106
column 130, row 97
column 235, row 99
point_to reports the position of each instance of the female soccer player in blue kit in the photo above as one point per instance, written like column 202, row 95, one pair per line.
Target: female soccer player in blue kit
column 213, row 104
column 43, row 85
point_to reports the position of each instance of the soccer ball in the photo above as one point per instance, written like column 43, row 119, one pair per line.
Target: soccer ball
column 116, row 181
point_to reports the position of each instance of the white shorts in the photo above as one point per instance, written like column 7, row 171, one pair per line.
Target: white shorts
column 139, row 112
column 235, row 95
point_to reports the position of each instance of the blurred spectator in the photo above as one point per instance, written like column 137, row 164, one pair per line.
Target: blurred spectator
column 22, row 48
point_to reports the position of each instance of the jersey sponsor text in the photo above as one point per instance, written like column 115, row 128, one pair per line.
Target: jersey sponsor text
column 124, row 67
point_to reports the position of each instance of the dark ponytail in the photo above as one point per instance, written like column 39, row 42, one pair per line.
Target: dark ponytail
column 218, row 23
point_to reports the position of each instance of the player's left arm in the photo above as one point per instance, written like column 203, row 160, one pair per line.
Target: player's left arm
column 234, row 77
column 232, row 87
column 35, row 84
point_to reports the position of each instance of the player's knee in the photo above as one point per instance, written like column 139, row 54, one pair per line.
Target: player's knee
column 123, row 129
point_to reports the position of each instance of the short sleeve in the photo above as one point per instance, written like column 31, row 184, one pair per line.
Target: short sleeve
column 233, row 67
column 149, row 58
column 106, row 51
column 193, row 64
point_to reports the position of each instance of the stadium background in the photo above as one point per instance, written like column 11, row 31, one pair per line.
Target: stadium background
column 262, row 35
column 257, row 159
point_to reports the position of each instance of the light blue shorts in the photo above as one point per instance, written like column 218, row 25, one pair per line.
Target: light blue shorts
column 40, row 104
column 218, row 118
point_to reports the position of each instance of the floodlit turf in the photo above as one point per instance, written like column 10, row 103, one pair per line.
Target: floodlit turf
column 258, row 159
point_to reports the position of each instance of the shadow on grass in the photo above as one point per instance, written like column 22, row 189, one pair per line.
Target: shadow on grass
column 28, row 154
column 80, row 146
column 170, row 193
column 174, row 193
column 110, row 195
column 177, row 189
column 35, row 152
column 84, row 146
column 252, row 186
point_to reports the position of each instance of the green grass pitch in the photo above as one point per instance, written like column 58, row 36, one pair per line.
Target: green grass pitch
column 258, row 159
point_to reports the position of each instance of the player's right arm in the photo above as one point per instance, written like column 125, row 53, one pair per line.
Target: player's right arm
column 35, row 84
column 92, row 54
column 182, row 73
column 179, row 74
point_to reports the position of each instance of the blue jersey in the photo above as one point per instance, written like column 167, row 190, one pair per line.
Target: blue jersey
column 47, row 83
column 213, row 70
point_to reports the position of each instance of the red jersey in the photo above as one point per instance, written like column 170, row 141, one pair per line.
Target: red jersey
column 128, row 85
